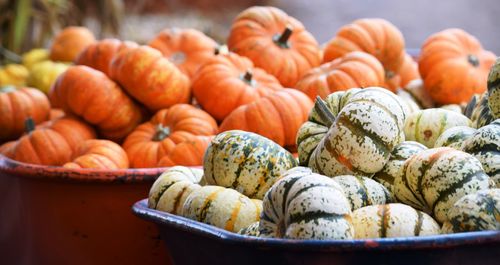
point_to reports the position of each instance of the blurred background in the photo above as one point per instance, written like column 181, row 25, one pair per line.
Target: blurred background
column 32, row 23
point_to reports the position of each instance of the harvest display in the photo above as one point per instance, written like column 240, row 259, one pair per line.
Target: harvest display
column 274, row 135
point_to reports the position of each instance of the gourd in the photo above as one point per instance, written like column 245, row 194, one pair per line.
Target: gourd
column 187, row 153
column 98, row 154
column 479, row 111
column 363, row 191
column 454, row 137
column 69, row 42
column 44, row 74
column 13, row 75
column 251, row 230
column 494, row 89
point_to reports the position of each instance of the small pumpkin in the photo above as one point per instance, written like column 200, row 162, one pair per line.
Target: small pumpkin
column 44, row 74
column 407, row 73
column 454, row 66
column 454, row 137
column 69, row 42
column 494, row 89
column 6, row 148
column 98, row 154
column 275, row 42
column 187, row 153
column 363, row 191
column 35, row 56
column 13, row 75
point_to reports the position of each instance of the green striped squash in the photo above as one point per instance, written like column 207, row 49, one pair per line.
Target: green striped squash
column 222, row 207
column 364, row 134
column 363, row 191
column 246, row 162
column 494, row 89
column 425, row 126
column 484, row 145
column 481, row 114
column 475, row 212
column 416, row 89
column 172, row 187
column 394, row 167
column 469, row 108
column 435, row 179
column 251, row 230
column 392, row 220
column 454, row 137
column 306, row 205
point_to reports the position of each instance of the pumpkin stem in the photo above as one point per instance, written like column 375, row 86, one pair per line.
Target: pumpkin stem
column 282, row 39
column 247, row 77
column 29, row 125
column 324, row 113
column 472, row 59
column 161, row 133
column 221, row 49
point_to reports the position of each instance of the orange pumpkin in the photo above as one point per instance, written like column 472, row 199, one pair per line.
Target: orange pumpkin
column 153, row 140
column 18, row 104
column 187, row 153
column 6, row 148
column 454, row 66
column 407, row 73
column 355, row 69
column 56, row 114
column 100, row 154
column 277, row 116
column 375, row 36
column 90, row 94
column 150, row 78
column 98, row 55
column 188, row 49
column 227, row 81
column 275, row 42
column 68, row 43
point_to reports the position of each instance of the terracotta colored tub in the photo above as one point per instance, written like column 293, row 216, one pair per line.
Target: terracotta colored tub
column 52, row 215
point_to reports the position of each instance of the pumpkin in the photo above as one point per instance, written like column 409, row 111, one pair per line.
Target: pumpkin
column 454, row 66
column 363, row 191
column 55, row 114
column 7, row 148
column 484, row 144
column 99, row 55
column 479, row 111
column 275, row 42
column 90, row 94
column 425, row 126
column 494, row 89
column 234, row 78
column 35, row 56
column 363, row 135
column 171, row 189
column 394, row 167
column 454, row 137
column 407, row 73
column 18, row 104
column 222, row 207
column 306, row 205
column 14, row 75
column 150, row 78
column 417, row 91
column 435, row 179
column 44, row 74
column 99, row 154
column 355, row 69
column 69, row 42
column 392, row 220
column 188, row 49
column 251, row 230
column 153, row 140
column 246, row 162
column 474, row 212
column 187, row 153
column 375, row 36
column 276, row 116
column 74, row 130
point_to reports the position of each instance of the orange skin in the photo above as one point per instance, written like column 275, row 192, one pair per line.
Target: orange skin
column 407, row 73
column 454, row 66
column 188, row 153
column 355, row 69
column 68, row 43
column 100, row 154
column 252, row 36
column 188, row 49
column 7, row 148
column 277, row 116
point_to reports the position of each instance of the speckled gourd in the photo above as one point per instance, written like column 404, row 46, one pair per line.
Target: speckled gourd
column 416, row 89
column 435, row 179
column 246, row 162
column 494, row 89
column 306, row 205
column 478, row 110
column 392, row 220
column 363, row 191
column 408, row 100
column 454, row 137
column 251, row 230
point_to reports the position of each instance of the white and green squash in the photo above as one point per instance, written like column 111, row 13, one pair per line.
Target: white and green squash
column 481, row 114
column 408, row 101
column 246, row 162
column 417, row 91
column 306, row 205
column 453, row 107
column 251, row 230
column 454, row 137
column 363, row 191
column 392, row 220
column 494, row 89
column 475, row 212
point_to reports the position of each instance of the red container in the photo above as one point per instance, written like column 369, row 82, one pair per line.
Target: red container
column 53, row 215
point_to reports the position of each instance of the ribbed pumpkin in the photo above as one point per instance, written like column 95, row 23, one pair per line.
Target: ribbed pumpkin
column 275, row 42
column 222, row 207
column 394, row 167
column 276, row 116
column 375, row 36
column 363, row 135
column 188, row 49
column 355, row 69
column 13, row 75
column 407, row 73
column 232, row 78
column 363, row 191
column 150, row 78
column 454, row 137
column 153, row 140
column 187, row 153
column 392, row 220
column 69, row 42
column 251, row 230
column 494, row 89
column 435, row 179
column 246, row 162
column 6, row 149
column 171, row 189
column 90, row 94
column 425, row 126
column 306, row 205
column 454, row 66
column 99, row 55
column 98, row 154
column 474, row 212
column 44, row 74
column 18, row 104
